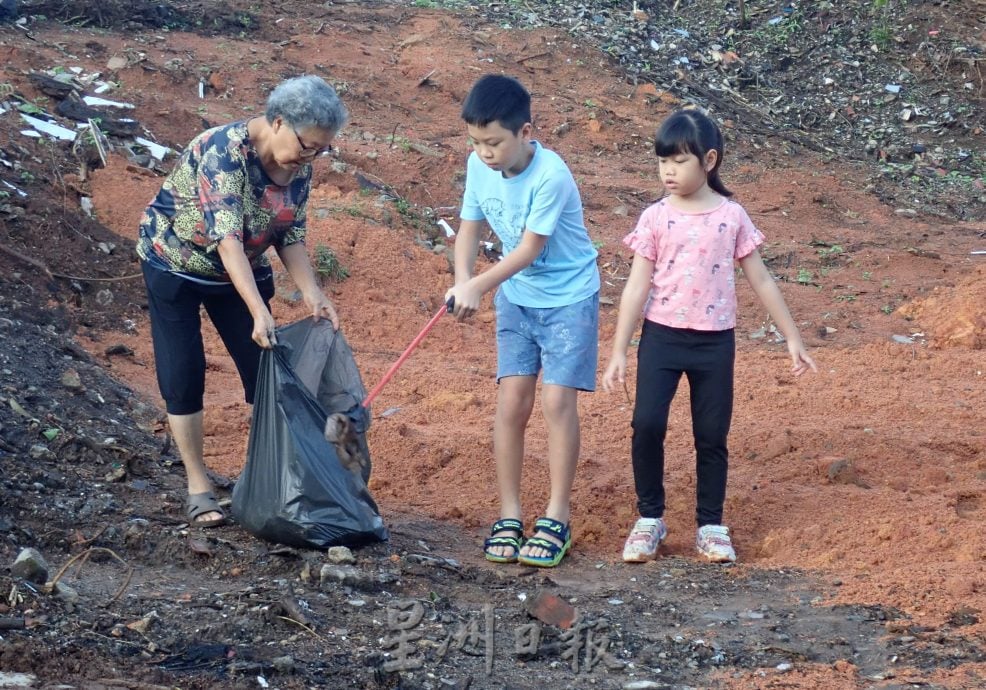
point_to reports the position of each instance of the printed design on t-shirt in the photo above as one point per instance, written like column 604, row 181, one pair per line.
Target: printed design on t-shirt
column 509, row 224
column 218, row 189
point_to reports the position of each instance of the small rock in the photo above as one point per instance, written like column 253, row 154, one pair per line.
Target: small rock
column 31, row 566
column 72, row 380
column 40, row 452
column 283, row 664
column 344, row 575
column 65, row 593
column 16, row 680
column 340, row 555
column 841, row 471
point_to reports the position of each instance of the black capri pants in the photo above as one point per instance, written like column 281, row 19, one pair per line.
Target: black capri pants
column 174, row 304
column 707, row 358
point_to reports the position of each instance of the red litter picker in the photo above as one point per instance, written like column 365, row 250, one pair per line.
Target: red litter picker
column 341, row 427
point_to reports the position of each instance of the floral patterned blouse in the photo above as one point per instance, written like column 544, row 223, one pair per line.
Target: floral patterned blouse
column 218, row 189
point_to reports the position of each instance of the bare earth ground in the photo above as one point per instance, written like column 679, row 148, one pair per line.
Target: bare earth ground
column 857, row 495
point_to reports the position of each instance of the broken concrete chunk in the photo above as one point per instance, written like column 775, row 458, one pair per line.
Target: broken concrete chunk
column 31, row 566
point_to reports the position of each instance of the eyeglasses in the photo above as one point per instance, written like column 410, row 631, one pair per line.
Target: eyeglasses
column 309, row 151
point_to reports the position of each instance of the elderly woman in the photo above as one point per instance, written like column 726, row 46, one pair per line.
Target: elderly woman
column 236, row 190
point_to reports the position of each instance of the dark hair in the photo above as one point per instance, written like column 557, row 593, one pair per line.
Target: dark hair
column 692, row 131
column 497, row 98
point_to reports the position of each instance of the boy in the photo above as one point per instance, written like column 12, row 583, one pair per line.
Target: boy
column 547, row 305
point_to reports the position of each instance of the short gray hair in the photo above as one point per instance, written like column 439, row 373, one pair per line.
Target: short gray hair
column 307, row 101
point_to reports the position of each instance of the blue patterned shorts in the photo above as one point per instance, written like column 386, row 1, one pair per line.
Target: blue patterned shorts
column 563, row 341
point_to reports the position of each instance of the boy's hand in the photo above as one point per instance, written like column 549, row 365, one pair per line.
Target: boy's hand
column 467, row 299
column 615, row 373
column 801, row 361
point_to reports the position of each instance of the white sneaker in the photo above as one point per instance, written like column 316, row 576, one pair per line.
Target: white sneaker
column 713, row 542
column 645, row 537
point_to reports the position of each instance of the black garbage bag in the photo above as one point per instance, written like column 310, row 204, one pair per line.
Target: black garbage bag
column 293, row 489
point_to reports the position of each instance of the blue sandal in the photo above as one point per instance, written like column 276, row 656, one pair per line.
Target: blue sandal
column 556, row 552
column 505, row 525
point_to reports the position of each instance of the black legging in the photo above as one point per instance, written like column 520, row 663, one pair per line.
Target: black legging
column 176, row 330
column 706, row 358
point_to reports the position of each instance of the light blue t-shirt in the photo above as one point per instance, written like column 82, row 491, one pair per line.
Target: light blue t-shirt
column 545, row 200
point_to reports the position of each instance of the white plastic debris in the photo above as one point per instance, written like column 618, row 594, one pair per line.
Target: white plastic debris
column 94, row 100
column 56, row 131
column 156, row 150
column 893, row 88
column 20, row 192
column 449, row 232
column 654, row 45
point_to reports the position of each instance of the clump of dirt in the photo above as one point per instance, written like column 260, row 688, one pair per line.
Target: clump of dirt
column 954, row 316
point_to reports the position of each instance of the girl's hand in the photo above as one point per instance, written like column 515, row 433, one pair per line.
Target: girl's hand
column 801, row 361
column 615, row 373
column 263, row 329
column 467, row 299
column 322, row 308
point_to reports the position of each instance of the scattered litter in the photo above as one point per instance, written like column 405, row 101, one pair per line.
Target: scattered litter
column 93, row 100
column 893, row 88
column 978, row 252
column 903, row 339
column 449, row 232
column 201, row 89
column 56, row 131
column 654, row 45
column 20, row 192
column 159, row 151
column 389, row 412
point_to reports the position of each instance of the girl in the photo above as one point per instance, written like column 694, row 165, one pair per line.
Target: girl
column 684, row 247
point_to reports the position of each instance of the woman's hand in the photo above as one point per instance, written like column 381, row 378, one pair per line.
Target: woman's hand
column 321, row 307
column 263, row 329
column 615, row 372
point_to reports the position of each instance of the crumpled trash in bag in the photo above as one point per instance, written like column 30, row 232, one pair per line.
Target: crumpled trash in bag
column 294, row 488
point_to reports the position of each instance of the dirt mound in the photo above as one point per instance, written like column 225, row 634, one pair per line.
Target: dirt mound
column 954, row 316
column 199, row 17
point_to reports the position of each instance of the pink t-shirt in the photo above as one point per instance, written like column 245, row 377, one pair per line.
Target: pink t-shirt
column 693, row 285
